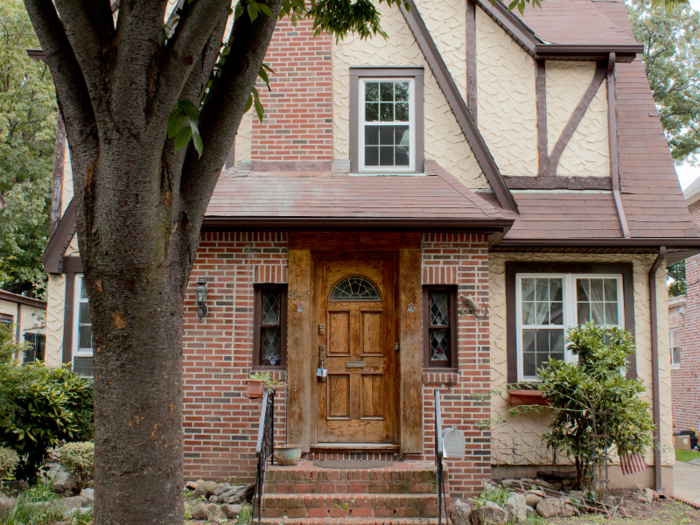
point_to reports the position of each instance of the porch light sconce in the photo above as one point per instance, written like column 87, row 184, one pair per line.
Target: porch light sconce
column 201, row 298
column 469, row 306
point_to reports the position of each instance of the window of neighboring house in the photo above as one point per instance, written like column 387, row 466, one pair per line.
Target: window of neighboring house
column 675, row 337
column 6, row 321
column 270, row 326
column 37, row 344
column 386, row 120
column 548, row 304
column 440, row 327
column 82, row 331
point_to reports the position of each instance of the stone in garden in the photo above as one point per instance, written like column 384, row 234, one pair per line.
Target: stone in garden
column 568, row 510
column 639, row 487
column 533, row 497
column 6, row 504
column 192, row 485
column 199, row 512
column 459, row 513
column 528, row 482
column 512, row 483
column 549, row 508
column 206, row 489
column 557, row 486
column 489, row 514
column 62, row 483
column 215, row 513
column 530, row 511
column 226, row 493
column 516, row 508
column 75, row 502
column 89, row 494
column 232, row 511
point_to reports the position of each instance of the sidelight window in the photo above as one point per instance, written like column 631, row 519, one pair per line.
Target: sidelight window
column 440, row 330
column 270, row 337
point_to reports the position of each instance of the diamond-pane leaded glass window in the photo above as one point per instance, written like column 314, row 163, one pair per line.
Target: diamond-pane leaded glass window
column 270, row 325
column 355, row 289
column 440, row 333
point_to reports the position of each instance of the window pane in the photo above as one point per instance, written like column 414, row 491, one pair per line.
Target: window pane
column 85, row 337
column 529, row 340
column 371, row 112
column 676, row 354
column 542, row 313
column 539, row 346
column 556, row 315
column 371, row 135
column 611, row 314
column 387, row 91
column 372, row 156
column 84, row 314
column 271, row 307
column 542, row 289
column 386, row 156
column 401, row 157
column 529, row 313
column 439, row 344
column 271, row 345
column 583, row 287
column 402, row 112
column 371, row 90
column 598, row 301
column 584, row 313
column 556, row 290
column 386, row 135
column 83, row 290
column 597, row 311
column 439, row 309
column 386, row 112
column 611, row 290
column 401, row 91
column 530, row 364
column 528, row 286
column 597, row 290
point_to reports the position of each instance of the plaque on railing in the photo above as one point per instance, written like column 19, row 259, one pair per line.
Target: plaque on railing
column 453, row 444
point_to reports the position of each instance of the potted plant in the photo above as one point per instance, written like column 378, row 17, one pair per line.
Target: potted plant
column 258, row 382
column 526, row 395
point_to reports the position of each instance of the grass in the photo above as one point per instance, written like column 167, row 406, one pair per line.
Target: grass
column 36, row 506
column 687, row 455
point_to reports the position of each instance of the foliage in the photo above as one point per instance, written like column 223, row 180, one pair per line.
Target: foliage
column 266, row 378
column 245, row 515
column 27, row 129
column 496, row 494
column 36, row 506
column 671, row 40
column 687, row 455
column 676, row 272
column 41, row 409
column 8, row 346
column 593, row 386
column 78, row 459
column 8, row 463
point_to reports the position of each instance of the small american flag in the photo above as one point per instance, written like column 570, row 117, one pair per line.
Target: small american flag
column 632, row 463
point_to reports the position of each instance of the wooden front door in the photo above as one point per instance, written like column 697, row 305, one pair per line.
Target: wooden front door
column 357, row 333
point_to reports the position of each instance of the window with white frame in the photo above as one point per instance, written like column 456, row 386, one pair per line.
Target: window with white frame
column 548, row 304
column 82, row 330
column 675, row 345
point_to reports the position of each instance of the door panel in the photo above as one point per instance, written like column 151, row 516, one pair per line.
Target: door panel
column 355, row 303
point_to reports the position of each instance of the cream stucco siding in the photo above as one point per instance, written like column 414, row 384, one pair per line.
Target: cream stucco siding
column 444, row 140
column 67, row 190
column 72, row 249
column 507, row 114
column 587, row 153
column 55, row 309
column 518, row 440
column 244, row 137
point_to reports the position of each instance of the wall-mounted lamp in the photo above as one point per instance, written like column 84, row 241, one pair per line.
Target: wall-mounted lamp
column 470, row 306
column 202, row 298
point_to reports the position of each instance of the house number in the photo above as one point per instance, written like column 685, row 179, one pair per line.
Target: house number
column 293, row 294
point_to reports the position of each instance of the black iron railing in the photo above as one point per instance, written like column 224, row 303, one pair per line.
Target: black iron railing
column 439, row 453
column 264, row 448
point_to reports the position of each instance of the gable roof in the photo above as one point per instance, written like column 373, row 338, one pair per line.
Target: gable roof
column 21, row 299
column 59, row 241
column 332, row 199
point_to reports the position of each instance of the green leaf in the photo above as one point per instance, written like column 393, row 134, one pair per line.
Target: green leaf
column 265, row 66
column 183, row 137
column 238, row 11
column 175, row 122
column 265, row 9
column 248, row 104
column 521, row 7
column 259, row 109
column 190, row 110
column 512, row 5
column 197, row 139
column 252, row 12
column 263, row 75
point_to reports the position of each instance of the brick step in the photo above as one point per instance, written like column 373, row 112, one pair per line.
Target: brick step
column 352, row 521
column 358, row 505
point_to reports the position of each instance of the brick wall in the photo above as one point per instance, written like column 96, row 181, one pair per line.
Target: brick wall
column 298, row 111
column 461, row 259
column 220, row 424
column 686, row 380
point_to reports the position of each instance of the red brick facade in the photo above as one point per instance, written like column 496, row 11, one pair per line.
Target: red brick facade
column 686, row 379
column 221, row 424
column 299, row 109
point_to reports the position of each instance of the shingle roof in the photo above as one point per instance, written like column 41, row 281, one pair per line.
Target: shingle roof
column 437, row 197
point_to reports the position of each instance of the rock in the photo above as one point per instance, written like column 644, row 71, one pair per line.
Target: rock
column 489, row 514
column 206, row 489
column 529, row 482
column 516, row 508
column 75, row 502
column 550, row 508
column 89, row 494
column 568, row 510
column 226, row 493
column 533, row 497
column 647, row 496
column 62, row 483
column 6, row 504
column 557, row 486
column 611, row 500
column 199, row 512
column 191, row 485
column 232, row 511
column 639, row 487
column 76, row 510
column 512, row 483
column 530, row 511
column 460, row 512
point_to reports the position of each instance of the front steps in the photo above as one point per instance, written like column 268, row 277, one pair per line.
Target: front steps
column 403, row 494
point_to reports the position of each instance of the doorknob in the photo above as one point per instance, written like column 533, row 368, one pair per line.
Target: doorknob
column 397, row 346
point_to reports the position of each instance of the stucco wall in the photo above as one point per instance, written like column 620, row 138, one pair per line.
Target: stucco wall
column 507, row 114
column 72, row 249
column 67, row 194
column 588, row 153
column 517, row 441
column 55, row 311
column 444, row 141
column 244, row 137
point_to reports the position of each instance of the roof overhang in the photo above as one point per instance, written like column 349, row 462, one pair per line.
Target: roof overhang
column 21, row 299
column 623, row 53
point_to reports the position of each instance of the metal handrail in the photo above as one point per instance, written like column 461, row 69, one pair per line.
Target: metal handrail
column 439, row 454
column 264, row 448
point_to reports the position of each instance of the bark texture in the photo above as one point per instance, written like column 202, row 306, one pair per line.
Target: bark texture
column 139, row 208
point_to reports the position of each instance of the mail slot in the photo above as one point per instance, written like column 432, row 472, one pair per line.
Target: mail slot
column 355, row 364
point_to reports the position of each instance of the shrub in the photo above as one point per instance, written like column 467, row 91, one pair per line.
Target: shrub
column 41, row 408
column 78, row 459
column 498, row 495
column 8, row 463
column 595, row 385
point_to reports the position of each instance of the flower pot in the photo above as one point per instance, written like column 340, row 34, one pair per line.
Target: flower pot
column 255, row 388
column 527, row 397
column 287, row 454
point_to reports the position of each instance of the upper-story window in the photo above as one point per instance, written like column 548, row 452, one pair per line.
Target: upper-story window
column 675, row 344
column 82, row 330
column 386, row 120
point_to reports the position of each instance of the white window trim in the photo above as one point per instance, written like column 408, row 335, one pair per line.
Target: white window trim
column 674, row 366
column 411, row 127
column 569, row 310
column 77, row 351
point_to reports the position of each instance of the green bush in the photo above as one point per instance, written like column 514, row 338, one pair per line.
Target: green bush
column 40, row 408
column 8, row 463
column 498, row 495
column 78, row 459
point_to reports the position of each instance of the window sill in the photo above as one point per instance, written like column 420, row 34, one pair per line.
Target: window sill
column 675, row 367
column 527, row 397
column 389, row 174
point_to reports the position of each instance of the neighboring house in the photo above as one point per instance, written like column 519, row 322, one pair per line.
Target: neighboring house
column 684, row 324
column 26, row 317
column 516, row 161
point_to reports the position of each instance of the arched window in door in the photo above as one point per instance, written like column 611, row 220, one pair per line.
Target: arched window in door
column 355, row 288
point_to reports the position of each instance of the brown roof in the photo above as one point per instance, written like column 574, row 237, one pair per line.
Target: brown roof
column 290, row 197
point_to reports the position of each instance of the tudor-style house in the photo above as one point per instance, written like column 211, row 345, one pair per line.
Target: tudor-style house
column 428, row 211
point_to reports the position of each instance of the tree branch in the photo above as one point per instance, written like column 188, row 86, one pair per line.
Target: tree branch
column 221, row 115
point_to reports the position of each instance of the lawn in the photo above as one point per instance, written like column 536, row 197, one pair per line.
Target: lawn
column 687, row 455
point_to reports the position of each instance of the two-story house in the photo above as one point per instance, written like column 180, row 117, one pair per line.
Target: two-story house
column 474, row 156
